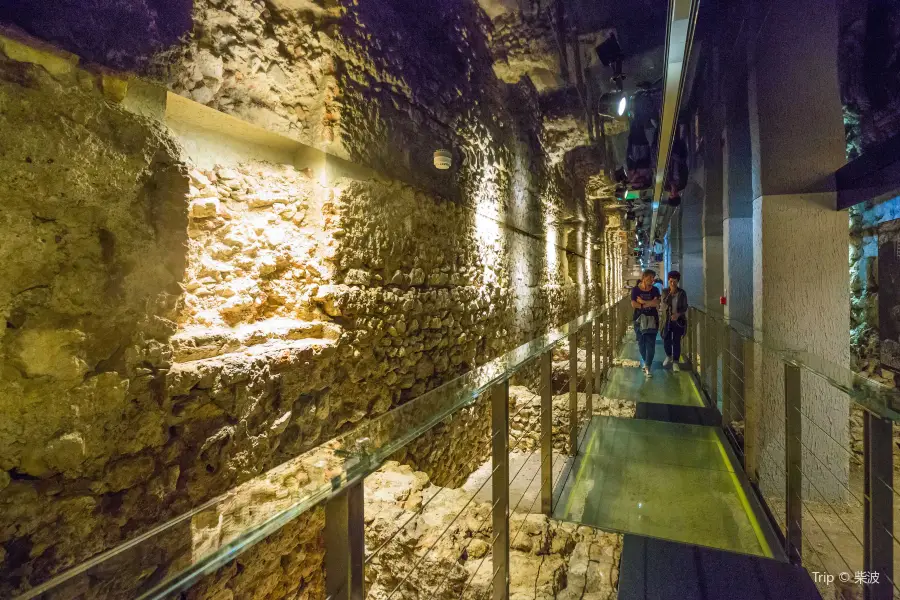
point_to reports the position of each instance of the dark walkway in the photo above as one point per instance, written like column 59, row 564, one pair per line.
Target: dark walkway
column 659, row 570
column 669, row 480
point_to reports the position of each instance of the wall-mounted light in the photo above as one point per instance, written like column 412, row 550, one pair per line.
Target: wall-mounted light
column 623, row 103
column 442, row 159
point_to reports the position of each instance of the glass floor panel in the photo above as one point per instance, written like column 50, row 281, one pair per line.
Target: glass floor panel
column 665, row 387
column 659, row 444
column 630, row 351
column 664, row 480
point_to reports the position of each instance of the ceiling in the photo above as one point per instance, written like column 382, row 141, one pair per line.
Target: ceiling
column 526, row 43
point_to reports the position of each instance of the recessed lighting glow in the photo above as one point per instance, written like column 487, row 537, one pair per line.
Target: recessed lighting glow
column 622, row 104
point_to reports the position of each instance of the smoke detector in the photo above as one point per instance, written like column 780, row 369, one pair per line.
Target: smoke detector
column 442, row 159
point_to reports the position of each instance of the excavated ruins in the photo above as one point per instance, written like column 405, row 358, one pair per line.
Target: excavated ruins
column 189, row 303
column 237, row 237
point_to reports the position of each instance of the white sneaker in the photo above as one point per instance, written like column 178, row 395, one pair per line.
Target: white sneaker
column 667, row 362
column 647, row 373
column 642, row 364
column 675, row 367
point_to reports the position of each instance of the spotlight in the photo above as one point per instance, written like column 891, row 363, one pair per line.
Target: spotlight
column 622, row 104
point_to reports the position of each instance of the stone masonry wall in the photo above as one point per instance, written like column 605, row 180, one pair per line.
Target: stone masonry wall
column 94, row 221
column 867, row 224
column 173, row 331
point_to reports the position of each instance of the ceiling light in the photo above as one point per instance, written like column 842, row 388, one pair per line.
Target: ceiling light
column 622, row 104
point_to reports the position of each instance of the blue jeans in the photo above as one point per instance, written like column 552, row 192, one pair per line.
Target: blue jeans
column 646, row 345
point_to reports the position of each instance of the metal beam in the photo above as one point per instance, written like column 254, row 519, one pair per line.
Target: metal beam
column 679, row 37
column 500, row 488
column 546, row 433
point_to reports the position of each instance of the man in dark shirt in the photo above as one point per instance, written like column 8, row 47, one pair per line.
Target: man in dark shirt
column 645, row 301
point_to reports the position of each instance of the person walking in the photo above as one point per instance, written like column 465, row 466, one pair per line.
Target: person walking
column 673, row 316
column 645, row 299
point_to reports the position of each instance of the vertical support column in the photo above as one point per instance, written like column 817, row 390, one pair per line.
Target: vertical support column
column 546, row 433
column 790, row 188
column 600, row 324
column 573, row 393
column 878, row 524
column 589, row 369
column 500, row 487
column 345, row 544
column 751, row 413
column 793, row 463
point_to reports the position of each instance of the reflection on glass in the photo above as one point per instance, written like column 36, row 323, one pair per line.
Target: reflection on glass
column 176, row 555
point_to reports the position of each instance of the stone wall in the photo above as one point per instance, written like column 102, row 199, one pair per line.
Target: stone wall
column 866, row 223
column 173, row 331
column 94, row 226
column 870, row 38
column 548, row 558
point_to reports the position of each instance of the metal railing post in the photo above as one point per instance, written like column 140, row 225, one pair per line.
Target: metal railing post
column 613, row 333
column 500, row 487
column 573, row 393
column 589, row 369
column 695, row 329
column 345, row 544
column 726, row 376
column 714, row 361
column 546, row 433
column 793, row 463
column 610, row 337
column 751, row 458
column 878, row 523
column 686, row 349
column 701, row 351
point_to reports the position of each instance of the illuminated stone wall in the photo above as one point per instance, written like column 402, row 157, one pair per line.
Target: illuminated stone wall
column 174, row 330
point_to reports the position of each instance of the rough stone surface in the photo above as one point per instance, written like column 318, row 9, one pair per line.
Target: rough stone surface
column 870, row 37
column 869, row 222
column 422, row 539
column 122, row 34
column 525, row 416
column 94, row 224
column 173, row 332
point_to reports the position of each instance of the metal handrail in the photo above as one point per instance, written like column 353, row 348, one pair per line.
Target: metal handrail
column 871, row 395
column 337, row 469
column 716, row 346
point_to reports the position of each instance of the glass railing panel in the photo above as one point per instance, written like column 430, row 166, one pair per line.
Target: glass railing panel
column 868, row 393
column 799, row 422
column 176, row 555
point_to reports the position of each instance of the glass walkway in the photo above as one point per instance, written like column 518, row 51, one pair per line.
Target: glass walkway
column 668, row 480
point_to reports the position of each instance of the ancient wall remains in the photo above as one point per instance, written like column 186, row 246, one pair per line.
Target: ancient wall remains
column 174, row 329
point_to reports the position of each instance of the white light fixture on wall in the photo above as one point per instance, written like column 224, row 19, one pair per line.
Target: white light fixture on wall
column 623, row 103
column 442, row 159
